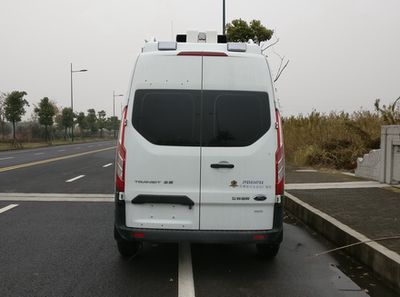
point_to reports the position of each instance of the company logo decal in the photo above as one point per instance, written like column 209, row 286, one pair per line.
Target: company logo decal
column 250, row 184
column 234, row 184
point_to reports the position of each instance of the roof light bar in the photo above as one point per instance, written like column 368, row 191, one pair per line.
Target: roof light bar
column 237, row 46
column 193, row 37
column 166, row 45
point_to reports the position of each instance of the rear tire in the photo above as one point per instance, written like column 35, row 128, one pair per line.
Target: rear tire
column 268, row 251
column 128, row 249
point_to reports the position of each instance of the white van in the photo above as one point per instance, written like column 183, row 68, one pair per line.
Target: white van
column 200, row 152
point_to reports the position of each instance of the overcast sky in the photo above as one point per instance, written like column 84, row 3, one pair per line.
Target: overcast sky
column 343, row 53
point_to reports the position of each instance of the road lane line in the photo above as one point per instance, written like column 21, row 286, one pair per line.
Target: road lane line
column 306, row 170
column 74, row 179
column 109, row 164
column 61, row 150
column 78, row 148
column 90, row 145
column 36, row 154
column 7, row 158
column 185, row 271
column 335, row 185
column 53, row 159
column 4, row 209
column 56, row 197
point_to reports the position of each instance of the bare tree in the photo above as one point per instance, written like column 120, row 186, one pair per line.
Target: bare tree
column 284, row 62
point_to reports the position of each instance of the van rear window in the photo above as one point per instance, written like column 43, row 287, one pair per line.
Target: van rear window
column 234, row 118
column 168, row 117
column 227, row 118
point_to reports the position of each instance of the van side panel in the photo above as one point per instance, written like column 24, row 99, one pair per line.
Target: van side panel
column 241, row 197
column 160, row 179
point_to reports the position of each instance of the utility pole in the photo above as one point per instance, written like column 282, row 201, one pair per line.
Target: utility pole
column 113, row 103
column 223, row 17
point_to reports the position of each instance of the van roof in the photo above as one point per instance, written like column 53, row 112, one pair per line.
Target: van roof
column 230, row 47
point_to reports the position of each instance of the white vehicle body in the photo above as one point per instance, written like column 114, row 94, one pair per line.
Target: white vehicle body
column 200, row 154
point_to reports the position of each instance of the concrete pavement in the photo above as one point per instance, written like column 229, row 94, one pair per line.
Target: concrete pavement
column 354, row 213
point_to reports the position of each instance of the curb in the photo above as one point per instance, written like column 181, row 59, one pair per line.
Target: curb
column 380, row 259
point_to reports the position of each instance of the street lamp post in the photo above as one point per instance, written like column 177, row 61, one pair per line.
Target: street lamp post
column 223, row 17
column 119, row 95
column 72, row 100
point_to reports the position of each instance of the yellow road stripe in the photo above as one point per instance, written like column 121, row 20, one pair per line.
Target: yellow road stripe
column 53, row 159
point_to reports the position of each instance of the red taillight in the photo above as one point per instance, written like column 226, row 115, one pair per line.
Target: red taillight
column 137, row 235
column 279, row 158
column 259, row 237
column 208, row 54
column 121, row 155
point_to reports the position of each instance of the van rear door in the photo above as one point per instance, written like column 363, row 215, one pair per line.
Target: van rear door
column 163, row 143
column 238, row 144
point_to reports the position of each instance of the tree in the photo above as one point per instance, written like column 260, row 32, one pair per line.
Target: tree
column 92, row 120
column 115, row 125
column 101, row 121
column 82, row 122
column 14, row 107
column 67, row 119
column 240, row 31
column 46, row 111
column 2, row 113
column 112, row 124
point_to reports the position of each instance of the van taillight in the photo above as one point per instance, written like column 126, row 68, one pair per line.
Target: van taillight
column 121, row 155
column 279, row 158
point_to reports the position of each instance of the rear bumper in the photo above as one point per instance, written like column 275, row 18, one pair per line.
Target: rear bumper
column 122, row 232
column 273, row 236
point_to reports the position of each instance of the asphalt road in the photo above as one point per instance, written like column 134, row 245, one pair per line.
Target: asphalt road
column 93, row 163
column 67, row 248
column 14, row 157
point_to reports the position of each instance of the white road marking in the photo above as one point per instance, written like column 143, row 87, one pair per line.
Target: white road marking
column 90, row 145
column 185, row 271
column 306, row 170
column 4, row 209
column 56, row 197
column 36, row 154
column 348, row 173
column 61, row 150
column 7, row 158
column 109, row 164
column 336, row 185
column 78, row 148
column 74, row 179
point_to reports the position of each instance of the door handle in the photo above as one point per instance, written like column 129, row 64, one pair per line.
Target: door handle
column 222, row 165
